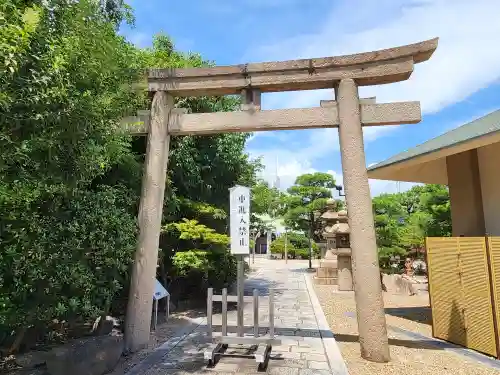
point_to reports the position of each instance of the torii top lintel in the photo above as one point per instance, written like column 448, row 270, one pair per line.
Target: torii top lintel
column 369, row 68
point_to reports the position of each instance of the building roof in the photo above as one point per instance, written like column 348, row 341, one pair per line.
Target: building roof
column 478, row 128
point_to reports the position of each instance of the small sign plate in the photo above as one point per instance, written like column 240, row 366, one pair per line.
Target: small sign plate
column 160, row 291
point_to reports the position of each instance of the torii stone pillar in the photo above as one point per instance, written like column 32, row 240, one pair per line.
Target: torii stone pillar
column 369, row 301
column 348, row 112
column 138, row 321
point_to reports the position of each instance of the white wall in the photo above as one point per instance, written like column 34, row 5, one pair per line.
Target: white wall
column 489, row 170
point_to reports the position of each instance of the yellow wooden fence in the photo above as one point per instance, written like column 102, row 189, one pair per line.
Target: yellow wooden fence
column 464, row 290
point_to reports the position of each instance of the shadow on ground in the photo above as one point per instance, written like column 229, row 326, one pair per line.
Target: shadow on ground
column 415, row 344
column 304, row 270
column 416, row 314
column 178, row 358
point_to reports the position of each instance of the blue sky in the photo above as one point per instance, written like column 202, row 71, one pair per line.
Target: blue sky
column 459, row 83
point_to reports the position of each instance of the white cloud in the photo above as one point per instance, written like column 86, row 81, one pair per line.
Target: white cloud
column 294, row 161
column 465, row 61
column 140, row 39
column 378, row 187
column 289, row 171
column 284, row 164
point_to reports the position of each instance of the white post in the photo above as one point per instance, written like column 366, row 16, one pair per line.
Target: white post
column 286, row 248
column 268, row 244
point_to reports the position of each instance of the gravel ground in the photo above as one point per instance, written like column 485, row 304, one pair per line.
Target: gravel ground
column 407, row 356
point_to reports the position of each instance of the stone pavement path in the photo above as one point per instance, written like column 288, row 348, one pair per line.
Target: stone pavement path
column 302, row 351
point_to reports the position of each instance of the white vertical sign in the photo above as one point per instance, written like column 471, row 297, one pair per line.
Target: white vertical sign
column 239, row 224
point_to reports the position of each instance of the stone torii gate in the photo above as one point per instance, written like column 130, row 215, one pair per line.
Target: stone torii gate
column 347, row 112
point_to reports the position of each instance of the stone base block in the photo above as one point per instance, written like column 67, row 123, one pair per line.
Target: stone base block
column 325, row 280
column 326, row 272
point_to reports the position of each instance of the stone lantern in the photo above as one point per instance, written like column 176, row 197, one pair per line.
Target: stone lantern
column 335, row 268
column 343, row 252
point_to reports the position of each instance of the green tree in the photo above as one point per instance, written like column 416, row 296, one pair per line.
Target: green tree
column 403, row 220
column 201, row 171
column 265, row 208
column 70, row 180
column 265, row 199
column 306, row 201
column 435, row 201
column 67, row 237
column 206, row 262
column 389, row 216
column 412, row 234
column 278, row 247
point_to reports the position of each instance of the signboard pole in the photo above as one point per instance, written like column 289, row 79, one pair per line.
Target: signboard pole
column 286, row 249
column 239, row 199
column 239, row 202
column 241, row 292
column 159, row 293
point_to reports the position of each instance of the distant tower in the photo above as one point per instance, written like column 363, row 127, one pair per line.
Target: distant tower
column 276, row 182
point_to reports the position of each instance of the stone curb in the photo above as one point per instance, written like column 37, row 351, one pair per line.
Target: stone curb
column 332, row 350
column 161, row 351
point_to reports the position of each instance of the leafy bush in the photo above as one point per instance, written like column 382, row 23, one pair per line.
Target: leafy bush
column 304, row 253
column 63, row 258
column 385, row 254
column 201, row 269
column 207, row 264
column 299, row 240
column 67, row 238
column 70, row 181
column 297, row 246
column 278, row 247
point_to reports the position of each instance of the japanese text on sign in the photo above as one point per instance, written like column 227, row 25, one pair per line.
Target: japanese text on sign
column 240, row 219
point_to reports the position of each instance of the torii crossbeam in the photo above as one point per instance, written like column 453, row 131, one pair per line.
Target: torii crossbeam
column 347, row 112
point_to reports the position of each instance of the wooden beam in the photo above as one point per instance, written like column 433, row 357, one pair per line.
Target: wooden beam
column 370, row 68
column 281, row 119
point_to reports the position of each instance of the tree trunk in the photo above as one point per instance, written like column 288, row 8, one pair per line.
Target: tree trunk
column 18, row 340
